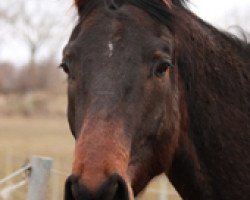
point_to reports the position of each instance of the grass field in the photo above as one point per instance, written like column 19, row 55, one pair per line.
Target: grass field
column 22, row 137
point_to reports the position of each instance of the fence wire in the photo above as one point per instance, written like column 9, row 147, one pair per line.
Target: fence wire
column 16, row 173
column 6, row 192
column 59, row 172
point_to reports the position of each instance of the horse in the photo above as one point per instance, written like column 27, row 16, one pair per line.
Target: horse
column 154, row 89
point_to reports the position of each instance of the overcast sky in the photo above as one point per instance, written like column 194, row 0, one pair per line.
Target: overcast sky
column 218, row 12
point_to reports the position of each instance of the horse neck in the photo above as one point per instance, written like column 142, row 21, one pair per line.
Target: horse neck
column 212, row 158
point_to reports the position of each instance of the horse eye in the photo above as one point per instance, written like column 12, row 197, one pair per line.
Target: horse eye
column 65, row 67
column 161, row 68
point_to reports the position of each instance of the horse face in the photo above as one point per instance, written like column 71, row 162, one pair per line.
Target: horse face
column 121, row 102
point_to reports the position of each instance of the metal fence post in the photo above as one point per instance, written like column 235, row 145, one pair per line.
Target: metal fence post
column 39, row 178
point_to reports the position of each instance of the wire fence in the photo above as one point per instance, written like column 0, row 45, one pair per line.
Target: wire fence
column 35, row 175
column 23, row 169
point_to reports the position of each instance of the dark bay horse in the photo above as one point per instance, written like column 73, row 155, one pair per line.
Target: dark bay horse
column 154, row 89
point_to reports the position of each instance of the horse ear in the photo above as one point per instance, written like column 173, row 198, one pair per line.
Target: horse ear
column 79, row 5
column 169, row 3
column 180, row 2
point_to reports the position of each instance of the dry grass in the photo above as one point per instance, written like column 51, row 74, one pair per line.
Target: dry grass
column 21, row 138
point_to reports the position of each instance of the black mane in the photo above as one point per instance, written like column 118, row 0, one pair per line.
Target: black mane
column 159, row 10
column 215, row 69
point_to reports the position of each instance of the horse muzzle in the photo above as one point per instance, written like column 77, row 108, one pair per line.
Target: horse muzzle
column 114, row 188
column 100, row 165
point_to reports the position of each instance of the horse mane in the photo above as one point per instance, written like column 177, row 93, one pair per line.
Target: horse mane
column 80, row 4
column 214, row 67
column 176, row 2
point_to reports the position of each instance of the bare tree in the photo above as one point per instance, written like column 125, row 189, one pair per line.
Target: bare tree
column 34, row 24
column 238, row 22
column 7, row 77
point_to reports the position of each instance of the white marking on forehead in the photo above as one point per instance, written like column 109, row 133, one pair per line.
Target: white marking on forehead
column 111, row 48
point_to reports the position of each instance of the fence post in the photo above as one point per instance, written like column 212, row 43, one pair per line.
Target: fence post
column 163, row 190
column 38, row 183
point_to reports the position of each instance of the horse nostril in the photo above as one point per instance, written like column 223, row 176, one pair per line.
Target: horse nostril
column 75, row 191
column 68, row 193
column 114, row 188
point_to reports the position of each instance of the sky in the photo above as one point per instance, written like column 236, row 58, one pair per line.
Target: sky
column 221, row 13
